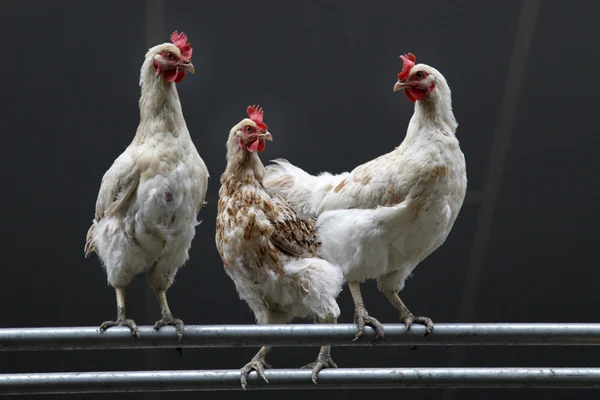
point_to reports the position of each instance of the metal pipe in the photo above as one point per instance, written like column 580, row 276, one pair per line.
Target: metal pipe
column 88, row 338
column 360, row 378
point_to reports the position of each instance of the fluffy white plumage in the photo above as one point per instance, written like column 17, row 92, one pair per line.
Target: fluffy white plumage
column 271, row 254
column 150, row 197
column 386, row 216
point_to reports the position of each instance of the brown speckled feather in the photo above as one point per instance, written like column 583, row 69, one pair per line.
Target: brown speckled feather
column 292, row 235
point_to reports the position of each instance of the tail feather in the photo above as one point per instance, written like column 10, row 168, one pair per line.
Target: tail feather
column 304, row 192
column 90, row 247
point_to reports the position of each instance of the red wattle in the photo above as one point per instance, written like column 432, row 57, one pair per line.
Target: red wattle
column 261, row 146
column 416, row 94
column 253, row 146
column 180, row 76
column 170, row 75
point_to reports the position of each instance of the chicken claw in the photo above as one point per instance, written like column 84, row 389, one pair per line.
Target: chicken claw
column 257, row 364
column 323, row 361
column 121, row 322
column 361, row 316
column 362, row 319
column 409, row 319
column 170, row 321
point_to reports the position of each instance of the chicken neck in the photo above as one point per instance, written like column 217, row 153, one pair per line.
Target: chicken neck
column 160, row 108
column 435, row 112
column 242, row 165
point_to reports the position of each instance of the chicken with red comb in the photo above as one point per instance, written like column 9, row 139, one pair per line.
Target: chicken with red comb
column 386, row 216
column 149, row 199
column 271, row 254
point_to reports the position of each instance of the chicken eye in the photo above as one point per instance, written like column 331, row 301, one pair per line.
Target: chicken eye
column 248, row 128
column 419, row 75
column 169, row 55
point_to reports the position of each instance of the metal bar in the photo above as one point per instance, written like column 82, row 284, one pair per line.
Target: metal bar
column 367, row 378
column 88, row 338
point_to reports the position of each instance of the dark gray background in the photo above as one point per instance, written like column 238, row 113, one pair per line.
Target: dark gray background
column 324, row 71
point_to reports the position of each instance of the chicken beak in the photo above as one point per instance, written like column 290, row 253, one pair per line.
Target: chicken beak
column 400, row 86
column 187, row 66
column 266, row 136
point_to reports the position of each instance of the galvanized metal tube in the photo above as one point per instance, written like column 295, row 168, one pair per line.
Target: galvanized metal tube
column 88, row 338
column 413, row 378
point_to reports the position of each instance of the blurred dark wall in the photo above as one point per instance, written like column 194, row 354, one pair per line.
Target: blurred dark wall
column 323, row 71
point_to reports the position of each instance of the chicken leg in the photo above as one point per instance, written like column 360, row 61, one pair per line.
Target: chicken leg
column 361, row 317
column 121, row 318
column 405, row 315
column 167, row 317
column 324, row 359
column 257, row 364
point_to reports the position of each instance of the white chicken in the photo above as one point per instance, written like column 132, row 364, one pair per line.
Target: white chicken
column 272, row 256
column 150, row 197
column 386, row 216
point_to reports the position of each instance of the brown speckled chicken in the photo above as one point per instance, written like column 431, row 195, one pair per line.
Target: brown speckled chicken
column 271, row 254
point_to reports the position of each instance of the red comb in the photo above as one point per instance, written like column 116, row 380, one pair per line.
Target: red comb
column 256, row 114
column 408, row 62
column 181, row 41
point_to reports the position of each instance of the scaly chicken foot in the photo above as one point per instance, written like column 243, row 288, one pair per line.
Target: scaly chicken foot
column 121, row 320
column 167, row 318
column 324, row 360
column 257, row 364
column 406, row 316
column 361, row 317
column 409, row 319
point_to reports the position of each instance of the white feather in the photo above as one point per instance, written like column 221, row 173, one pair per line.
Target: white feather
column 304, row 192
column 150, row 197
column 386, row 216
